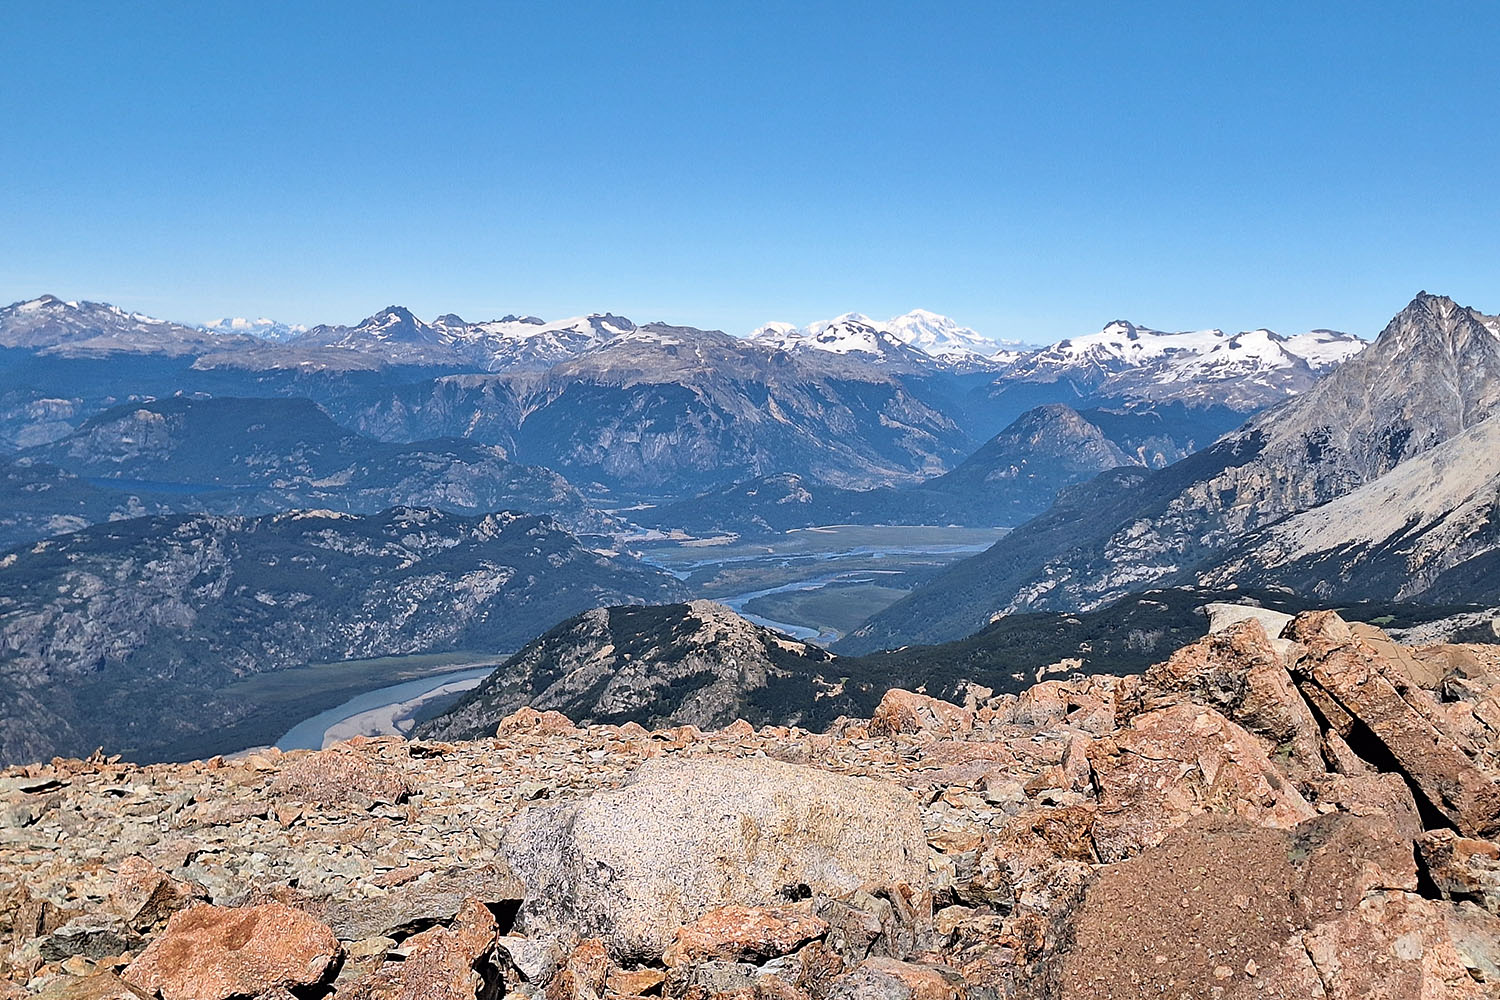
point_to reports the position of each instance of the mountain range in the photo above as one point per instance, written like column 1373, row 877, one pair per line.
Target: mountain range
column 1432, row 377
column 190, row 509
column 655, row 409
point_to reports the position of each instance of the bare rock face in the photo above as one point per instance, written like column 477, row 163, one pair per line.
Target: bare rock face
column 1240, row 671
column 905, row 711
column 335, row 775
column 1391, row 946
column 889, row 979
column 144, row 896
column 1174, row 763
column 741, row 933
column 1368, row 693
column 215, row 953
column 443, row 963
column 683, row 837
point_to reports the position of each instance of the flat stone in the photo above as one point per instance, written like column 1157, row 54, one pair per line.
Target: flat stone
column 442, row 963
column 215, row 953
column 742, row 934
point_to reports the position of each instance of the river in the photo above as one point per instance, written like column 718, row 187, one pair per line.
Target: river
column 388, row 709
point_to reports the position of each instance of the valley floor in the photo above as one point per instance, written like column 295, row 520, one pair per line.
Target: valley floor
column 815, row 584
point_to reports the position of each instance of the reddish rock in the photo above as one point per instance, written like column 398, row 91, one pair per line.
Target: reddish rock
column 1390, row 946
column 144, row 896
column 890, row 979
column 633, row 982
column 443, row 963
column 214, row 953
column 908, row 712
column 1382, row 795
column 743, row 934
column 1462, row 868
column 584, row 975
column 1239, row 672
column 1177, row 762
column 1087, row 703
column 339, row 775
column 1372, row 688
column 739, row 727
column 529, row 720
column 1211, row 909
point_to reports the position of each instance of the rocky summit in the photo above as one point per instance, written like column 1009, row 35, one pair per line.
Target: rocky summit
column 1288, row 807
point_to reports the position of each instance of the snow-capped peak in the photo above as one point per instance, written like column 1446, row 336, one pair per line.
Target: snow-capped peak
column 917, row 336
column 851, row 333
column 262, row 328
column 40, row 303
column 941, row 336
column 1323, row 349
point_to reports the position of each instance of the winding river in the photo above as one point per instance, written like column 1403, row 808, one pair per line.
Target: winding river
column 388, row 709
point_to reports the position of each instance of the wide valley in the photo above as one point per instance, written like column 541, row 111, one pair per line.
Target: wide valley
column 812, row 583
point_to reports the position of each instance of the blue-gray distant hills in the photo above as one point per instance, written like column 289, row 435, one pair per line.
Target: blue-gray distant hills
column 256, row 456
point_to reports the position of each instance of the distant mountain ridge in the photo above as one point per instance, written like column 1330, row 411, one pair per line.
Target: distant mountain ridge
column 256, row 456
column 1431, row 376
column 655, row 410
column 918, row 337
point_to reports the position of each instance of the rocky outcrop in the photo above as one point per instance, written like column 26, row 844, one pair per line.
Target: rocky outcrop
column 696, row 664
column 1248, row 819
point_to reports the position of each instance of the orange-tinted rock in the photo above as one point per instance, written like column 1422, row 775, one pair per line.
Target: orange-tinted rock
column 1374, row 794
column 1239, row 672
column 1174, row 763
column 1391, row 946
column 214, row 953
column 908, row 712
column 143, row 895
column 1212, row 908
column 1087, row 703
column 633, row 982
column 1372, row 689
column 1462, row 868
column 442, row 963
column 529, row 720
column 584, row 975
column 891, row 979
column 338, row 775
column 743, row 934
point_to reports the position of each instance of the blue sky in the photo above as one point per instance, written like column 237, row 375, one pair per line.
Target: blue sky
column 1033, row 170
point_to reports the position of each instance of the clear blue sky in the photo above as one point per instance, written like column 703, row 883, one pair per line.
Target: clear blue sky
column 1033, row 170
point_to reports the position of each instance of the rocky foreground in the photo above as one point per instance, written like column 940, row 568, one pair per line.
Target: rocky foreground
column 1307, row 816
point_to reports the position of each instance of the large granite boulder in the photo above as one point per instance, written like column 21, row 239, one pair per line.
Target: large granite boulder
column 683, row 837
